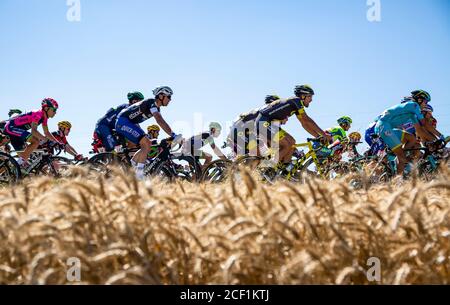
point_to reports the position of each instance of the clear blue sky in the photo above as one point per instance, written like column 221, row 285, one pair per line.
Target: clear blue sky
column 223, row 57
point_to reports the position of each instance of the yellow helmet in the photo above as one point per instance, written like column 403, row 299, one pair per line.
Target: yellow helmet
column 354, row 137
column 64, row 124
column 153, row 128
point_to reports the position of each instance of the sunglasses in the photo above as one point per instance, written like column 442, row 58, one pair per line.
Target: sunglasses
column 169, row 97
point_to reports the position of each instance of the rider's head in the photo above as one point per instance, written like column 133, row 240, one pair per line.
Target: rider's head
column 215, row 129
column 64, row 126
column 49, row 106
column 271, row 98
column 163, row 95
column 354, row 137
column 305, row 93
column 421, row 97
column 134, row 97
column 153, row 131
column 345, row 122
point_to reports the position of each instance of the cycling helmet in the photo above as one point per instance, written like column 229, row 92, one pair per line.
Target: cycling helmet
column 163, row 90
column 135, row 96
column 14, row 111
column 49, row 102
column 153, row 128
column 216, row 126
column 354, row 137
column 64, row 124
column 421, row 94
column 344, row 120
column 303, row 89
column 271, row 98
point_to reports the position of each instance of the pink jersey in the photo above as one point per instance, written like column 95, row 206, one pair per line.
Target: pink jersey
column 25, row 120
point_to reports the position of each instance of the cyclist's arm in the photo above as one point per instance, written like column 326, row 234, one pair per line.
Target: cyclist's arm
column 431, row 129
column 423, row 133
column 218, row 152
column 162, row 123
column 48, row 134
column 310, row 126
column 35, row 133
column 70, row 150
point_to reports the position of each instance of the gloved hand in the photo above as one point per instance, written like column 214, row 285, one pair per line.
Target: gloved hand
column 79, row 157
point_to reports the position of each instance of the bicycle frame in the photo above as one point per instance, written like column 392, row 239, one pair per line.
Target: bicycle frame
column 310, row 154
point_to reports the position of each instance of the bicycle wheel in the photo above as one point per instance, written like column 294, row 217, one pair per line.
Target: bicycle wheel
column 217, row 171
column 250, row 162
column 9, row 170
column 103, row 163
column 307, row 170
column 160, row 170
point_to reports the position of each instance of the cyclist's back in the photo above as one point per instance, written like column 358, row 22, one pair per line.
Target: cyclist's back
column 283, row 109
column 109, row 119
column 140, row 111
column 401, row 114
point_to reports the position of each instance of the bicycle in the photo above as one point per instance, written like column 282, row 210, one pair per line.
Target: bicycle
column 170, row 164
column 10, row 172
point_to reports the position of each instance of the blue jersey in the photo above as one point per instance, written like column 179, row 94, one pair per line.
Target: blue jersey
column 109, row 119
column 401, row 114
column 139, row 112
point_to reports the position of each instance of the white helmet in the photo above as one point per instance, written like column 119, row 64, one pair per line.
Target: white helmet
column 163, row 90
column 215, row 125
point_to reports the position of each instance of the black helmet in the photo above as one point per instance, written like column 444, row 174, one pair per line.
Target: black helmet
column 303, row 89
column 135, row 96
column 421, row 94
column 271, row 98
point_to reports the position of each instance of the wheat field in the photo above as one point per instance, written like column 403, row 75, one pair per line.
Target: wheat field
column 243, row 231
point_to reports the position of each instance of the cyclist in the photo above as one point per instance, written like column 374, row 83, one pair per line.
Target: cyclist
column 242, row 137
column 339, row 139
column 430, row 121
column 389, row 123
column 61, row 135
column 339, row 133
column 376, row 144
column 17, row 129
column 106, row 124
column 354, row 139
column 153, row 133
column 193, row 145
column 280, row 111
column 128, row 120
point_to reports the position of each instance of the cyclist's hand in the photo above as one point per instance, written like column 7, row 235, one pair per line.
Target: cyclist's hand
column 328, row 137
column 79, row 157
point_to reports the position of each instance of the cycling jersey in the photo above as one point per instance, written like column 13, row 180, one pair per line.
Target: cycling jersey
column 24, row 121
column 375, row 143
column 337, row 133
column 17, row 128
column 60, row 136
column 390, row 123
column 109, row 119
column 401, row 114
column 283, row 109
column 105, row 126
column 140, row 112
